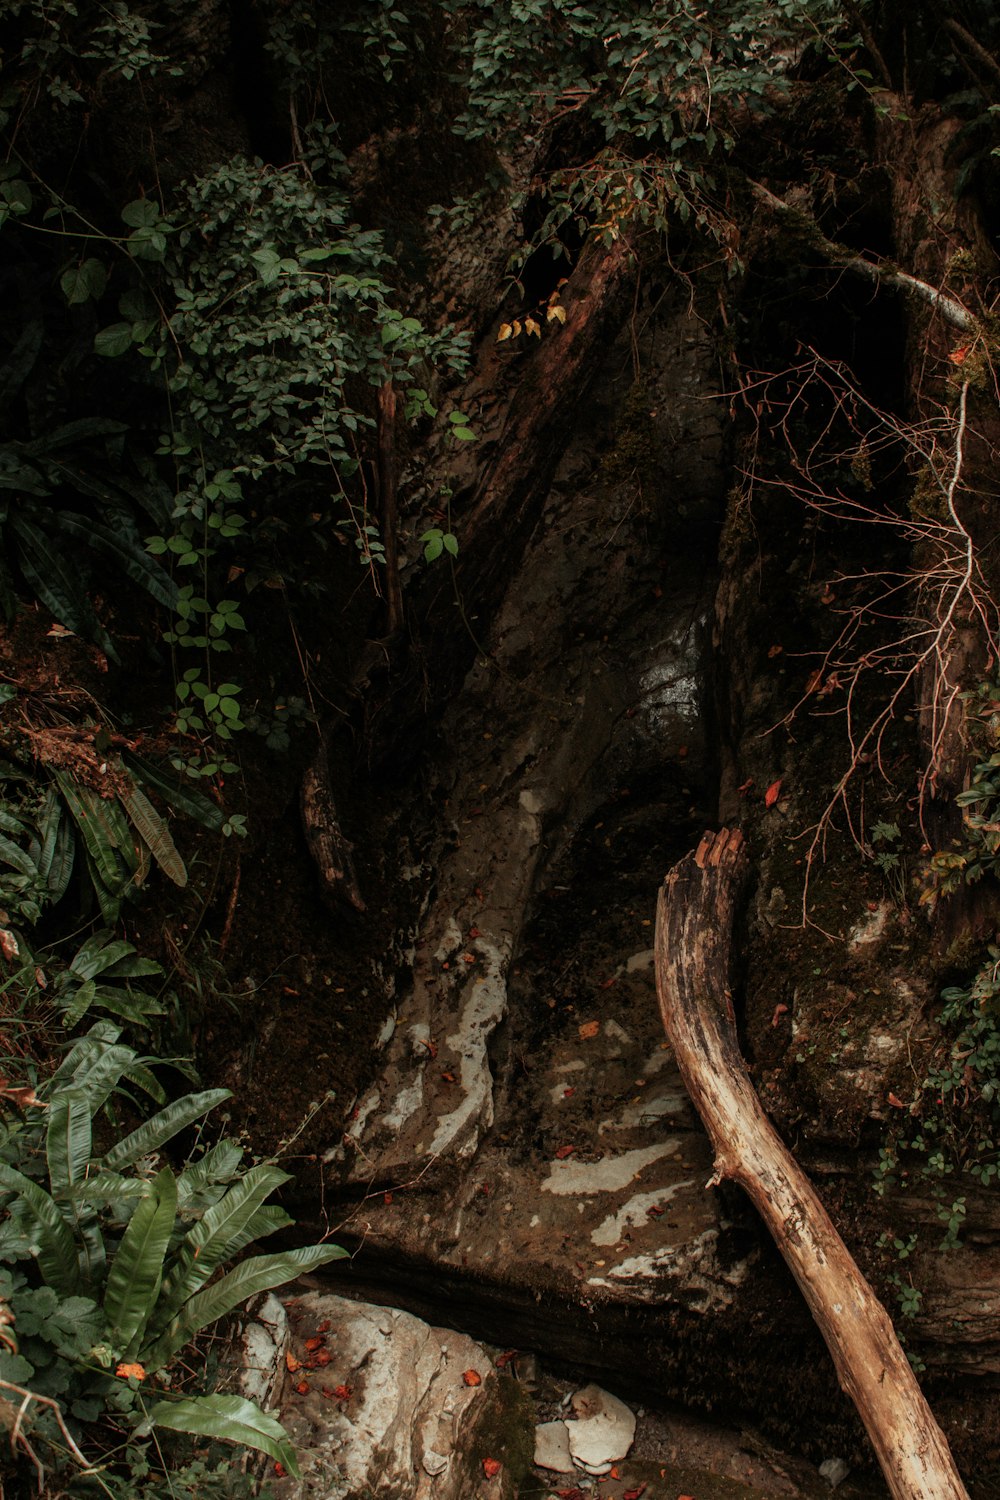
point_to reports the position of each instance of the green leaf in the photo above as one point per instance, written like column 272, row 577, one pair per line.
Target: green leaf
column 56, row 582
column 113, row 340
column 151, row 827
column 162, row 1127
column 98, row 953
column 68, row 1139
column 101, row 831
column 81, row 1002
column 187, row 800
column 57, row 1258
column 137, row 1270
column 231, row 1419
column 218, row 1236
column 131, row 556
column 82, row 282
column 12, row 854
column 253, row 1276
column 141, row 213
column 220, row 1163
column 62, row 859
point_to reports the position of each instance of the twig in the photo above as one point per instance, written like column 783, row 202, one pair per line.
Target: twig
column 950, row 309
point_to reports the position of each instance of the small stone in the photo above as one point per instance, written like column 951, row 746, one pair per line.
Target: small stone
column 834, row 1471
column 603, row 1430
column 434, row 1463
column 552, row 1447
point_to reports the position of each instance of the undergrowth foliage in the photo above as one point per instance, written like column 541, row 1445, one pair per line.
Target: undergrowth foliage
column 115, row 1260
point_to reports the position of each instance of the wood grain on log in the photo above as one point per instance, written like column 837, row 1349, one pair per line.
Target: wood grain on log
column 694, row 923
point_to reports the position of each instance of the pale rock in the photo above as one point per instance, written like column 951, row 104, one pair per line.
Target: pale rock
column 552, row 1447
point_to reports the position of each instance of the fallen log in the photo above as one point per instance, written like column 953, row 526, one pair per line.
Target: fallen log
column 694, row 922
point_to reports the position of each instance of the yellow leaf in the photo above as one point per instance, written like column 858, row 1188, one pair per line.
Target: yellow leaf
column 532, row 327
column 505, row 332
column 517, row 327
column 556, row 312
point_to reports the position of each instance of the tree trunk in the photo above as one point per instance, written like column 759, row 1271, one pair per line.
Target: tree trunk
column 693, row 938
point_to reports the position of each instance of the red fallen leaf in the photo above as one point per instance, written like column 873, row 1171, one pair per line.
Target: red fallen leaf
column 8, row 944
column 639, row 1490
column 432, row 1050
column 828, row 596
column 564, row 1151
column 478, row 892
column 316, row 1342
column 291, row 1363
column 473, row 932
column 614, row 1474
column 957, row 357
column 280, row 1470
column 654, row 1211
column 568, row 1093
column 814, row 679
column 574, row 1494
column 387, row 1199
column 774, row 651
column 323, row 1358
column 448, row 1077
column 588, row 1029
column 339, row 1393
column 896, row 1103
column 303, row 1387
column 503, row 1360
column 324, row 1327
column 472, row 1377
column 607, row 983
column 491, row 1467
column 469, row 958
column 779, row 1011
column 773, row 793
column 742, row 790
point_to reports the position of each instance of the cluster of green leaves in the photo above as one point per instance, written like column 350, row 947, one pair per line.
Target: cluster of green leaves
column 116, row 1260
column 54, row 548
column 54, row 823
column 952, row 1128
column 52, row 44
column 654, row 90
column 978, row 852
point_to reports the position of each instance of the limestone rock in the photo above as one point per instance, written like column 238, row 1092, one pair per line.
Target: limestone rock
column 395, row 1409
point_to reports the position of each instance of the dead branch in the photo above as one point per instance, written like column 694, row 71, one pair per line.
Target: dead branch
column 694, row 921
column 949, row 307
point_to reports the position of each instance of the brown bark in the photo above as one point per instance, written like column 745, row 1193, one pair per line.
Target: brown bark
column 330, row 850
column 694, row 923
column 387, row 501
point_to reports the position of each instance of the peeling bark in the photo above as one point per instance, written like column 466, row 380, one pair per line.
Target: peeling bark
column 694, row 922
